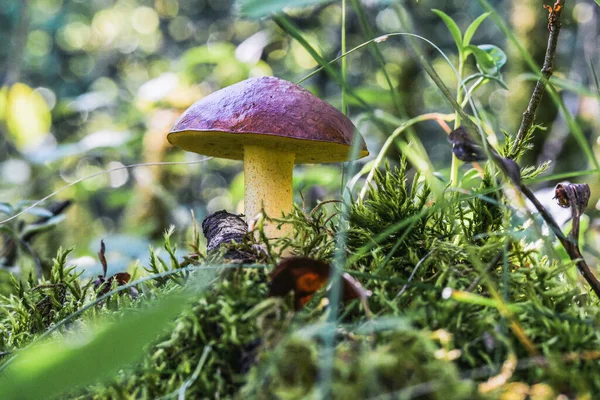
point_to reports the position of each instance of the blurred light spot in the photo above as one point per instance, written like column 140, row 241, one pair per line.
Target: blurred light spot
column 74, row 36
column 48, row 96
column 498, row 101
column 260, row 69
column 150, row 43
column 158, row 88
column 48, row 7
column 589, row 108
column 82, row 263
column 106, row 26
column 143, row 176
column 15, row 171
column 167, row 8
column 393, row 71
column 302, row 57
column 86, row 167
column 388, row 20
column 82, row 65
column 129, row 45
column 219, row 203
column 104, row 139
column 245, row 28
column 250, row 50
column 119, row 177
column 523, row 17
column 39, row 43
column 27, row 116
column 144, row 20
column 583, row 12
column 277, row 54
column 106, row 86
column 180, row 28
column 446, row 293
column 90, row 101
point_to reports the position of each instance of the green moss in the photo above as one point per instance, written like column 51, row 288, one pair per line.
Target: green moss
column 233, row 342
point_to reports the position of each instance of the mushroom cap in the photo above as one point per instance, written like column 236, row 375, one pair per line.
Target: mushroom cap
column 270, row 112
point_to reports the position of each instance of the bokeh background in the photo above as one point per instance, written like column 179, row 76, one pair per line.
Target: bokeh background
column 91, row 85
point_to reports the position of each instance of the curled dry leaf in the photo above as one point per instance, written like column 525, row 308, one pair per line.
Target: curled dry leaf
column 306, row 276
column 102, row 284
column 573, row 195
column 464, row 147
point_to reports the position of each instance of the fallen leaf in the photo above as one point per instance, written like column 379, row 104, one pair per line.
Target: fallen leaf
column 305, row 276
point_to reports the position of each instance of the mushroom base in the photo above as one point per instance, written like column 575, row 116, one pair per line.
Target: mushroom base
column 268, row 186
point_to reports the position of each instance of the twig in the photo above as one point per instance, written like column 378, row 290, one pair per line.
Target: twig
column 511, row 168
column 570, row 244
column 540, row 86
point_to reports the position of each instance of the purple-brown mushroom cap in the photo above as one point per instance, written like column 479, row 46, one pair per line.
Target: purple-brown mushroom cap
column 270, row 112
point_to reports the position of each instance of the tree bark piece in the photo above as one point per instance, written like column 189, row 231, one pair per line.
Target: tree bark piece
column 223, row 228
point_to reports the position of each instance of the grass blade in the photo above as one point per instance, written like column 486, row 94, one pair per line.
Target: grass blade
column 262, row 8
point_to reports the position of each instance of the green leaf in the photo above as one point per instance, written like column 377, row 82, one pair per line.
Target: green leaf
column 496, row 52
column 59, row 366
column 473, row 28
column 6, row 208
column 489, row 58
column 262, row 8
column 40, row 212
column 484, row 61
column 452, row 27
column 42, row 227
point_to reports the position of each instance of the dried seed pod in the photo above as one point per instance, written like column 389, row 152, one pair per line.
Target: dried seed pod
column 575, row 195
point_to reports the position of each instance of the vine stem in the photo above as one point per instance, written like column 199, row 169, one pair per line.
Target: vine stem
column 540, row 86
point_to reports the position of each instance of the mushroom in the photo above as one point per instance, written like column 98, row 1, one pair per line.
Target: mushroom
column 271, row 124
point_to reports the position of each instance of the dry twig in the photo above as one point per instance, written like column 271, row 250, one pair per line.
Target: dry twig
column 540, row 86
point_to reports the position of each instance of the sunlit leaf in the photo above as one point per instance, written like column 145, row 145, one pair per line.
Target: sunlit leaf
column 473, row 28
column 452, row 27
column 262, row 8
column 27, row 116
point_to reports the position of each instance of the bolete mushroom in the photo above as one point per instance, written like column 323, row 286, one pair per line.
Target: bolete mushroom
column 271, row 124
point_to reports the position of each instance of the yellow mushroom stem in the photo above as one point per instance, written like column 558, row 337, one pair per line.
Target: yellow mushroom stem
column 268, row 186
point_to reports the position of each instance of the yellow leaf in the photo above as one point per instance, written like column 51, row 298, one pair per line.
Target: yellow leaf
column 27, row 116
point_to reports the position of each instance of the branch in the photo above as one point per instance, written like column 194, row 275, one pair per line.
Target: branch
column 540, row 86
